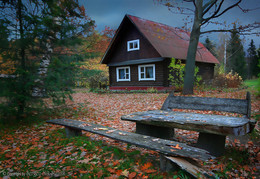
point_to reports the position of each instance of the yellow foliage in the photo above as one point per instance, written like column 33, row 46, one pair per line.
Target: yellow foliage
column 6, row 67
column 93, row 64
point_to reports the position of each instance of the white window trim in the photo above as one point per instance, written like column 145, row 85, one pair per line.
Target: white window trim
column 139, row 72
column 132, row 41
column 117, row 73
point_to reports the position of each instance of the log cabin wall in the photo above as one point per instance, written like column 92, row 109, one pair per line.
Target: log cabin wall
column 160, row 79
column 206, row 70
column 119, row 51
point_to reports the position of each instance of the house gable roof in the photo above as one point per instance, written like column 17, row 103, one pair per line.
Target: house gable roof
column 168, row 41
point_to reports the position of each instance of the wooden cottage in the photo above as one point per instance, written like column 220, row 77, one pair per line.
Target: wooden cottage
column 140, row 53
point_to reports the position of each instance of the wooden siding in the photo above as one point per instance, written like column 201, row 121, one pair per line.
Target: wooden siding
column 119, row 51
column 161, row 75
column 206, row 70
column 160, row 79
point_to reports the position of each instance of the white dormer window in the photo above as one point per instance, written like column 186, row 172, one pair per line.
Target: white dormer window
column 133, row 45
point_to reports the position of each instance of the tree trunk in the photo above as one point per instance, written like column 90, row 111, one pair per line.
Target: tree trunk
column 22, row 78
column 191, row 55
column 39, row 90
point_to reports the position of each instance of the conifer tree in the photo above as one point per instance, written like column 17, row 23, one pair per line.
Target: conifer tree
column 252, row 60
column 210, row 46
column 33, row 31
column 236, row 58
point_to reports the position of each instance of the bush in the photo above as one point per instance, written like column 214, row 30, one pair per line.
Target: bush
column 230, row 80
column 99, row 81
column 93, row 79
column 176, row 75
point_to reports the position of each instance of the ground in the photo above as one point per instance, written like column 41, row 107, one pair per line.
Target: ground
column 42, row 149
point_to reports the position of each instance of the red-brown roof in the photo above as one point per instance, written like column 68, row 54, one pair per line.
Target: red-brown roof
column 170, row 41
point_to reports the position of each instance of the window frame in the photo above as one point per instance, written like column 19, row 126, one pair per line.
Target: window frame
column 133, row 41
column 145, row 66
column 117, row 73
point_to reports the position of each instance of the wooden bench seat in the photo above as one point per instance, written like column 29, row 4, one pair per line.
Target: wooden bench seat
column 172, row 154
column 213, row 128
column 166, row 147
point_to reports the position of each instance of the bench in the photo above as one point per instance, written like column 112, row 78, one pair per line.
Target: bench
column 171, row 152
column 212, row 129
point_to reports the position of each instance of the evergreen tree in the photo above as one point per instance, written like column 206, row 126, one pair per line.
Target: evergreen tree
column 236, row 55
column 210, row 46
column 252, row 60
column 36, row 32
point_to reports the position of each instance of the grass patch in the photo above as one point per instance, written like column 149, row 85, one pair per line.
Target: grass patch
column 251, row 83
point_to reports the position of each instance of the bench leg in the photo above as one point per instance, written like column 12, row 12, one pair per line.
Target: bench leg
column 213, row 143
column 166, row 165
column 72, row 132
column 155, row 131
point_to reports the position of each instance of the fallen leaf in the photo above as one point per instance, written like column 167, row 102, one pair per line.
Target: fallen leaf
column 125, row 173
column 84, row 161
column 131, row 175
column 118, row 172
column 38, row 165
column 120, row 133
column 110, row 131
column 150, row 171
column 146, row 166
column 176, row 147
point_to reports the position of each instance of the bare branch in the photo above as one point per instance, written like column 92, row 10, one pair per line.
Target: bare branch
column 208, row 5
column 220, row 30
column 243, row 30
column 216, row 15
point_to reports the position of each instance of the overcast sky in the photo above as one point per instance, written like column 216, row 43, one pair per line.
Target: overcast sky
column 111, row 12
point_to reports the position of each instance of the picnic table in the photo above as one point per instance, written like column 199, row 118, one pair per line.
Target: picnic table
column 212, row 129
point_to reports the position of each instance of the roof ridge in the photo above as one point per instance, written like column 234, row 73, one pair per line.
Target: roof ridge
column 178, row 28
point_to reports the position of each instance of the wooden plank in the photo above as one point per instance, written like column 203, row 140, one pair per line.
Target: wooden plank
column 194, row 169
column 212, row 104
column 166, row 147
column 215, row 124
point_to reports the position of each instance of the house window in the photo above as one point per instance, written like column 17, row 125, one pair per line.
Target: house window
column 123, row 73
column 133, row 45
column 146, row 72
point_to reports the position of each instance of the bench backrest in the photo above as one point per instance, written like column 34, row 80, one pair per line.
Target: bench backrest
column 240, row 106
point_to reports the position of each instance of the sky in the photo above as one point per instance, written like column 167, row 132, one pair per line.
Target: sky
column 111, row 12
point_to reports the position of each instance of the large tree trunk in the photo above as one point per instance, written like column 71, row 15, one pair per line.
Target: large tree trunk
column 191, row 55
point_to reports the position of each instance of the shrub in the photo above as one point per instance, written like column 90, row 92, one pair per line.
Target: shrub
column 152, row 90
column 92, row 79
column 176, row 75
column 230, row 80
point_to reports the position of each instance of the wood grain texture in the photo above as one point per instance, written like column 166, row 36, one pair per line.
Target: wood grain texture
column 209, row 104
column 215, row 124
column 166, row 147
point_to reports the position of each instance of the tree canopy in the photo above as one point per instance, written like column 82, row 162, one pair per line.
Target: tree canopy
column 36, row 36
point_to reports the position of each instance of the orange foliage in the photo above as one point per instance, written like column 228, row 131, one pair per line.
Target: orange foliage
column 6, row 67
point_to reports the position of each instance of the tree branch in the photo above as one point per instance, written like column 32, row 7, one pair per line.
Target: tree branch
column 215, row 15
column 245, row 30
column 208, row 6
column 220, row 30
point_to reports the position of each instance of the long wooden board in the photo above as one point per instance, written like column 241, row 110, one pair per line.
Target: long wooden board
column 166, row 147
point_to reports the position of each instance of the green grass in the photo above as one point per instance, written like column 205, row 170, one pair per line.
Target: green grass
column 251, row 83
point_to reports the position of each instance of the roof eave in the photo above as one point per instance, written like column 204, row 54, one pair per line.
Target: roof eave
column 112, row 41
